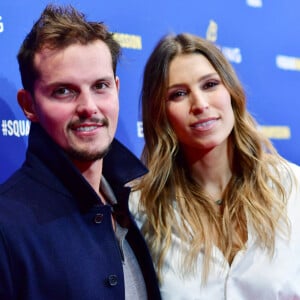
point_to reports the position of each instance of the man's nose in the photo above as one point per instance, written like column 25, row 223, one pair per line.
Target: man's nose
column 86, row 105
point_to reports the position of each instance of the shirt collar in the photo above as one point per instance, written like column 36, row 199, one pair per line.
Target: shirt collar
column 120, row 166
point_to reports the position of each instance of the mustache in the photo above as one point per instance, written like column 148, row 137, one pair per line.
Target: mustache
column 93, row 120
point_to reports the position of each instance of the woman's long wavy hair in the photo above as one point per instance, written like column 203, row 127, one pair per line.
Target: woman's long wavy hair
column 255, row 189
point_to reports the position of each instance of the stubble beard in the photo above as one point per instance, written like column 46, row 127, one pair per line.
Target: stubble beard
column 85, row 156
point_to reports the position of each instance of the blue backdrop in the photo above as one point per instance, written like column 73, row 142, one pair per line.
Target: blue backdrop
column 260, row 38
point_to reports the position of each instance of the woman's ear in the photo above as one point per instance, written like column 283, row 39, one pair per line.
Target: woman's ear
column 26, row 103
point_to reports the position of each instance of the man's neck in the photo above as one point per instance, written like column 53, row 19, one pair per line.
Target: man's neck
column 92, row 172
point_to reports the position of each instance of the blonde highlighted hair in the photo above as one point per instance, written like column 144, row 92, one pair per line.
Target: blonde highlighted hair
column 255, row 189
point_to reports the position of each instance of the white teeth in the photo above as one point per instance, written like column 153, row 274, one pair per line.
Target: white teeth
column 204, row 124
column 86, row 128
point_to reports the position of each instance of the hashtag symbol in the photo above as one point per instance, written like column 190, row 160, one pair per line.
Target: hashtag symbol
column 4, row 127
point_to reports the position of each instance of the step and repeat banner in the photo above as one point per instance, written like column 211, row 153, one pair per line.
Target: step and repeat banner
column 259, row 37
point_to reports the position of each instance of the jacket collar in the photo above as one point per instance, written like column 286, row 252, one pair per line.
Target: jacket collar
column 120, row 166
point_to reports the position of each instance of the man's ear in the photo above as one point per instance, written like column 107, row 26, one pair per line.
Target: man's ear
column 117, row 80
column 26, row 103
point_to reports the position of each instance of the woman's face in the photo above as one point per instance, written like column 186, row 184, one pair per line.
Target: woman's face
column 198, row 104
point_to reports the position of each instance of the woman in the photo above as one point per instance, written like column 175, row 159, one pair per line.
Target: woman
column 219, row 208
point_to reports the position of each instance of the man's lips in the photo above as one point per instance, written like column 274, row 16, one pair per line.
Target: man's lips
column 88, row 125
column 87, row 128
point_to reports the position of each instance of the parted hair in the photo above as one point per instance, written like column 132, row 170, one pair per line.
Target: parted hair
column 57, row 28
column 255, row 189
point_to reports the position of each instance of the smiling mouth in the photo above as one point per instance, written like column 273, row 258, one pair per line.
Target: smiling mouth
column 86, row 128
column 204, row 124
column 88, row 125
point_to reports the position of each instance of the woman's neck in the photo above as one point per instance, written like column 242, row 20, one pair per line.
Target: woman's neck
column 213, row 171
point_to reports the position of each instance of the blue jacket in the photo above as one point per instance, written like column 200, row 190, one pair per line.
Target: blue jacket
column 56, row 238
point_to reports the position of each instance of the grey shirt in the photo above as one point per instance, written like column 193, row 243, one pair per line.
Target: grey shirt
column 135, row 288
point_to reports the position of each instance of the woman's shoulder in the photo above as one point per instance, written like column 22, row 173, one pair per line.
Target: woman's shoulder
column 295, row 169
column 134, row 201
column 289, row 172
column 293, row 183
column 135, row 207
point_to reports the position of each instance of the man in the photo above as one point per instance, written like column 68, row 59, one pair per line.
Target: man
column 65, row 228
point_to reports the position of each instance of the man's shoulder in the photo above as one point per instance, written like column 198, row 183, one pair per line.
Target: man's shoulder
column 12, row 192
column 26, row 199
column 13, row 183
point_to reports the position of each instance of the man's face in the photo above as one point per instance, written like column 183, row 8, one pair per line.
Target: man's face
column 76, row 99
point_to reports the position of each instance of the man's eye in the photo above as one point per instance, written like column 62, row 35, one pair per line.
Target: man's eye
column 101, row 85
column 62, row 91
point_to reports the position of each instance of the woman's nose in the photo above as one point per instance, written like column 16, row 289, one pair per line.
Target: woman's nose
column 198, row 101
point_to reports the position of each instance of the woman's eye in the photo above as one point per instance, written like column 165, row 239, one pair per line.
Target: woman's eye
column 210, row 84
column 176, row 95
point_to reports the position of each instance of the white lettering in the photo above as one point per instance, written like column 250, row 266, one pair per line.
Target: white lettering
column 10, row 129
column 255, row 3
column 232, row 54
column 288, row 62
column 1, row 25
column 140, row 129
column 16, row 128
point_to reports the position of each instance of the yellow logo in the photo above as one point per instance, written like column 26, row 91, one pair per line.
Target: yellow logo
column 276, row 132
column 130, row 41
column 232, row 54
column 212, row 31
